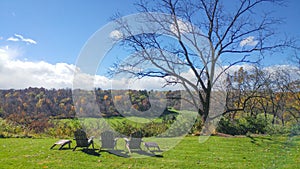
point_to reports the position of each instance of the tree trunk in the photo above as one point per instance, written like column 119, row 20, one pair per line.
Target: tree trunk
column 206, row 110
column 274, row 118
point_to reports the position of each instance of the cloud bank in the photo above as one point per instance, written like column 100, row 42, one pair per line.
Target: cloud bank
column 19, row 74
column 23, row 74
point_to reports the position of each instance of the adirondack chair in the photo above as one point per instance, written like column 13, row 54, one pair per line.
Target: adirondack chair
column 82, row 140
column 108, row 140
column 134, row 142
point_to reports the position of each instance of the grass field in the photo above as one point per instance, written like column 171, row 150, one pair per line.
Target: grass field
column 216, row 152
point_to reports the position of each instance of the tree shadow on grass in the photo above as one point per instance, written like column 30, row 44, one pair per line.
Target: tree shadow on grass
column 266, row 141
column 258, row 140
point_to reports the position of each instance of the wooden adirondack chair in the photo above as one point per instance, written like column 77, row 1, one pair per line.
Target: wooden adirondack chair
column 134, row 142
column 108, row 140
column 82, row 140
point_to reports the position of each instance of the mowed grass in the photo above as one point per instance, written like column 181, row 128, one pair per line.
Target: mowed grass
column 216, row 152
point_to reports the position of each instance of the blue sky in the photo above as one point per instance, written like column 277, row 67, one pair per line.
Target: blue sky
column 52, row 33
column 60, row 27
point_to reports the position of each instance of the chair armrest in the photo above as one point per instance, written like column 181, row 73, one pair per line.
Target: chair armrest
column 91, row 139
column 126, row 139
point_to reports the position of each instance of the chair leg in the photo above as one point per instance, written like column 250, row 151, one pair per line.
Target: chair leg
column 53, row 146
column 127, row 146
column 61, row 146
column 74, row 148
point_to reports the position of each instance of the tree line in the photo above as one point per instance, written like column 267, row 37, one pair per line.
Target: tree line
column 249, row 93
column 32, row 108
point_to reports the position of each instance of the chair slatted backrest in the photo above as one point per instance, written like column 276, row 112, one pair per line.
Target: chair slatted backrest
column 135, row 140
column 107, row 140
column 81, row 138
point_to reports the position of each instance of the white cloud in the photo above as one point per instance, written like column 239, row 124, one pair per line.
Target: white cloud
column 148, row 83
column 235, row 68
column 7, row 52
column 184, row 27
column 249, row 41
column 13, row 39
column 274, row 71
column 23, row 74
column 18, row 37
column 3, row 50
column 116, row 35
column 20, row 74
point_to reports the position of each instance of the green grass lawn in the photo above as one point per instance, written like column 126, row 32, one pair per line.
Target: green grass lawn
column 216, row 152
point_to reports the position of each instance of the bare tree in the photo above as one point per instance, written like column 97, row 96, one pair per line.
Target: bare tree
column 202, row 33
column 273, row 92
column 245, row 90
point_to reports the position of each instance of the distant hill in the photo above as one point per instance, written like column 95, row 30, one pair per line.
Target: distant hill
column 38, row 105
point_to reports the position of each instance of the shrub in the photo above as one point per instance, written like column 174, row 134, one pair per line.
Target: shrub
column 148, row 129
column 197, row 127
column 154, row 129
column 63, row 128
column 8, row 129
column 184, row 123
column 125, row 128
column 243, row 126
column 277, row 129
column 295, row 130
column 256, row 125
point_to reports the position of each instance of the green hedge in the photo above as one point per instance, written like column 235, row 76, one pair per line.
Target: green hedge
column 295, row 130
column 243, row 126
